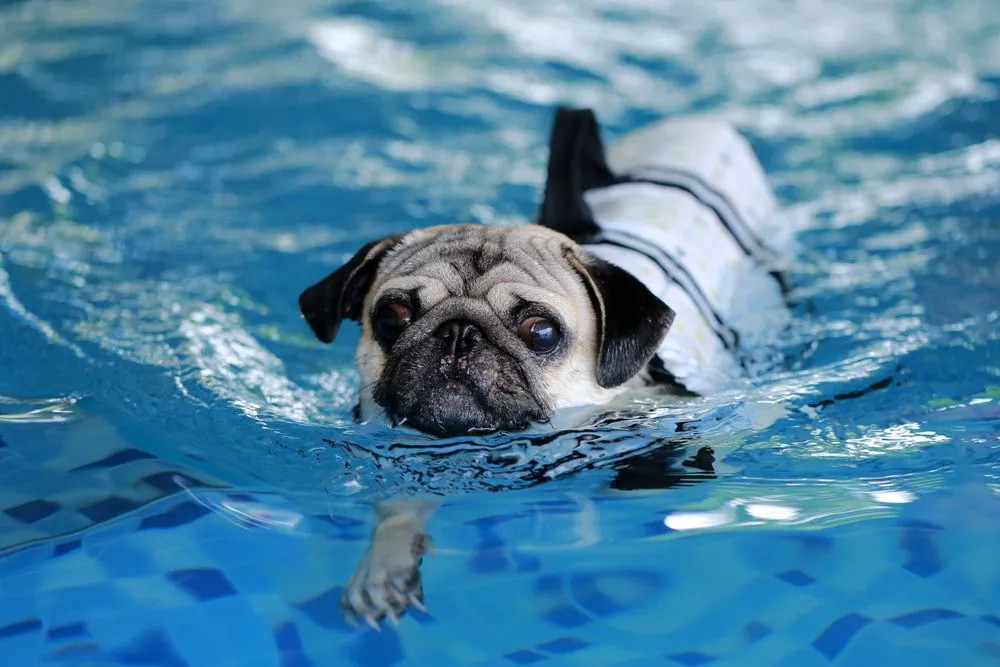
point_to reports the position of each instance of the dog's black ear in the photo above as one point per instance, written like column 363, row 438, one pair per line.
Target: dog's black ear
column 632, row 321
column 342, row 293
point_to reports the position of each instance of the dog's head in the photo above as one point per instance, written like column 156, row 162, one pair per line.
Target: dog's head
column 474, row 328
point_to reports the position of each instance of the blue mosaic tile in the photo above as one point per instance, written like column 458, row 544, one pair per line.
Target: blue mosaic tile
column 588, row 594
column 491, row 553
column 923, row 558
column 421, row 617
column 118, row 458
column 165, row 481
column 377, row 649
column 151, row 648
column 290, row 650
column 796, row 578
column 3, row 443
column 33, row 511
column 691, row 658
column 108, row 508
column 67, row 631
column 178, row 515
column 566, row 616
column 527, row 563
column 341, row 521
column 324, row 610
column 488, row 561
column 564, row 645
column 839, row 634
column 812, row 543
column 345, row 528
column 755, row 631
column 925, row 616
column 524, row 657
column 548, row 583
column 61, row 548
column 27, row 626
column 202, row 583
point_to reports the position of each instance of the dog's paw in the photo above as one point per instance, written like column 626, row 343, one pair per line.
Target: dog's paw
column 387, row 580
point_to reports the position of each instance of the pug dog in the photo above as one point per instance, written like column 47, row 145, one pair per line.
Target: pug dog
column 636, row 272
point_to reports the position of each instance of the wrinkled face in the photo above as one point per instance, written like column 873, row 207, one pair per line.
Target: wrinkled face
column 475, row 328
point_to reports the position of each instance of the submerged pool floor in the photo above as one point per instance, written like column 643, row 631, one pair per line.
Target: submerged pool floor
column 181, row 482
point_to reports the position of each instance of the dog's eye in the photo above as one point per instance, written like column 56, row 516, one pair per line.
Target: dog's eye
column 390, row 319
column 539, row 334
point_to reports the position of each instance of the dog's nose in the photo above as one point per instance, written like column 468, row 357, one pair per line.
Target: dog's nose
column 459, row 337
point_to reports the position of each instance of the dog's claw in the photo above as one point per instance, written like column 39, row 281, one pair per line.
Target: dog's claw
column 387, row 580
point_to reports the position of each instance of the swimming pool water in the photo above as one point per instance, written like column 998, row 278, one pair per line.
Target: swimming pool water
column 181, row 482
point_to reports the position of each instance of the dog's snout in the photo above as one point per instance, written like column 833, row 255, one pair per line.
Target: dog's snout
column 459, row 337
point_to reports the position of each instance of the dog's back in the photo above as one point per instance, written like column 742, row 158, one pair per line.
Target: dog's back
column 682, row 204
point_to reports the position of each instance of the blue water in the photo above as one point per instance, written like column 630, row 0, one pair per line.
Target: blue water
column 181, row 482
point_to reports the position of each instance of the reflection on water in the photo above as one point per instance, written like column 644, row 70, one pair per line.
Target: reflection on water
column 159, row 213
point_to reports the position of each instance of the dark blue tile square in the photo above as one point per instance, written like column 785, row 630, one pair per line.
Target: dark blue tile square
column 120, row 457
column 27, row 626
column 421, row 617
column 107, row 508
column 345, row 528
column 178, row 515
column 588, row 595
column 591, row 596
column 289, row 644
column 524, row 657
column 924, row 616
column 166, row 481
column 61, row 548
column 566, row 616
column 489, row 560
column 548, row 583
column 324, row 610
column 795, row 578
column 923, row 558
column 33, row 511
column 151, row 648
column 202, row 583
column 691, row 658
column 813, row 544
column 839, row 634
column 68, row 631
column 377, row 649
column 527, row 563
column 341, row 521
column 564, row 645
column 755, row 631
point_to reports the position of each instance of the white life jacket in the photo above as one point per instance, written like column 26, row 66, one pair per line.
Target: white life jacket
column 682, row 205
